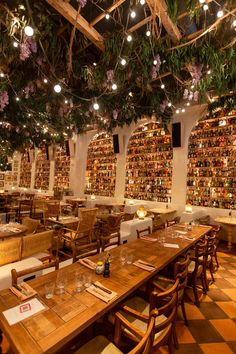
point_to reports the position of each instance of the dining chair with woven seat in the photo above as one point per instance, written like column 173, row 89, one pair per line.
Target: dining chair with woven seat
column 137, row 311
column 69, row 238
column 54, row 263
column 160, row 283
column 112, row 224
column 197, row 269
column 110, row 241
column 144, row 341
column 174, row 221
column 25, row 209
column 85, row 250
column 212, row 242
column 143, row 232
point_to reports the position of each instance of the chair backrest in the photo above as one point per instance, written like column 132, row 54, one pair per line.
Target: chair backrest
column 18, row 274
column 25, row 206
column 35, row 243
column 145, row 341
column 143, row 232
column 127, row 216
column 181, row 272
column 112, row 224
column 10, row 251
column 31, row 224
column 110, row 240
column 52, row 209
column 85, row 250
column 87, row 219
column 166, row 303
column 200, row 254
column 174, row 221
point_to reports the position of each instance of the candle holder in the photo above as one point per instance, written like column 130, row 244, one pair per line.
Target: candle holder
column 141, row 212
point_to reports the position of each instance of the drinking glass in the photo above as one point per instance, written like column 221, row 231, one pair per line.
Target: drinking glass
column 123, row 256
column 87, row 280
column 129, row 258
column 78, row 282
column 49, row 289
column 61, row 282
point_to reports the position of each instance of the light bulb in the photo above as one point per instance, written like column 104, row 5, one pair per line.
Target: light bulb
column 183, row 110
column 234, row 23
column 66, row 101
column 96, row 106
column 201, row 1
column 114, row 87
column 220, row 13
column 205, row 7
column 45, row 80
column 133, row 14
column 155, row 62
column 15, row 44
column 2, row 75
column 57, row 88
column 123, row 62
column 17, row 99
column 162, row 86
column 29, row 114
column 192, row 87
column 188, row 104
column 177, row 111
column 29, row 31
column 142, row 2
column 208, row 72
column 169, row 104
column 130, row 94
column 148, row 33
column 94, row 64
column 107, row 16
column 129, row 38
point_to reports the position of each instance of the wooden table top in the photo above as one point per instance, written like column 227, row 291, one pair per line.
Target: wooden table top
column 65, row 220
column 12, row 230
column 162, row 210
column 67, row 315
column 229, row 220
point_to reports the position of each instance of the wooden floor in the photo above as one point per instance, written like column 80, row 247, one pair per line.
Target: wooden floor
column 212, row 327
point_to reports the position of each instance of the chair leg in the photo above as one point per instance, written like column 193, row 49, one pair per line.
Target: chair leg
column 175, row 338
column 184, row 312
column 170, row 343
column 194, row 287
column 211, row 268
column 216, row 259
column 204, row 283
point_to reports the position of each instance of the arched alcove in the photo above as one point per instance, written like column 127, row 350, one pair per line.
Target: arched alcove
column 101, row 166
column 149, row 164
column 211, row 180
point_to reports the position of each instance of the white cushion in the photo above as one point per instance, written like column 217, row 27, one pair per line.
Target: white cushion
column 98, row 345
column 124, row 236
column 41, row 255
column 5, row 270
column 191, row 267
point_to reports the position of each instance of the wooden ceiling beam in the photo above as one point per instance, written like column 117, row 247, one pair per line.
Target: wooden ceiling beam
column 100, row 17
column 68, row 11
column 159, row 8
column 139, row 24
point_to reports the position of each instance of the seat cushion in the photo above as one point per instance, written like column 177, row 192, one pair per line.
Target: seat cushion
column 191, row 267
column 98, row 345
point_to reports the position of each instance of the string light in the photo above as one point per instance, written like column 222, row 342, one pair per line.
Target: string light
column 15, row 44
column 107, row 16
column 96, row 106
column 94, row 64
column 133, row 14
column 208, row 72
column 129, row 38
column 154, row 62
column 234, row 23
column 162, row 86
column 201, row 1
column 169, row 104
column 29, row 31
column 205, row 7
column 183, row 110
column 114, row 87
column 142, row 2
column 57, row 88
column 45, row 80
column 188, row 104
column 220, row 13
column 177, row 111
column 123, row 62
column 131, row 94
column 148, row 33
column 17, row 98
column 2, row 74
column 66, row 101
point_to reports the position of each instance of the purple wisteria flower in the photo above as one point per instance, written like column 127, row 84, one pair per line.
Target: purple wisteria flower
column 154, row 73
column 82, row 2
column 185, row 95
column 196, row 71
column 29, row 88
column 115, row 114
column 195, row 96
column 163, row 106
column 4, row 100
column 158, row 60
column 110, row 75
column 28, row 47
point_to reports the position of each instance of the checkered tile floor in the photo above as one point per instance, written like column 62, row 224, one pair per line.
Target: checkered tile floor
column 212, row 327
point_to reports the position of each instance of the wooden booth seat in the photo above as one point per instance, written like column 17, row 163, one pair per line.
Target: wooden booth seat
column 37, row 245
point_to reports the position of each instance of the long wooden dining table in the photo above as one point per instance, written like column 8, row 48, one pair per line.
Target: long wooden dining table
column 65, row 316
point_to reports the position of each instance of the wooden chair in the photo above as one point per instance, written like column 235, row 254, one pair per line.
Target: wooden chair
column 39, row 209
column 110, row 241
column 112, row 224
column 85, row 250
column 52, row 209
column 138, row 310
column 160, row 283
column 158, row 223
column 212, row 242
column 19, row 274
column 143, row 232
column 83, row 235
column 127, row 216
column 174, row 221
column 31, row 224
column 25, row 209
column 101, row 345
column 10, row 251
column 196, row 269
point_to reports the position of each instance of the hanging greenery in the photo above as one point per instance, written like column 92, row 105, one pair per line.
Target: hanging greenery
column 30, row 67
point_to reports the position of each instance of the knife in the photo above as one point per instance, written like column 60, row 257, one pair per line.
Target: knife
column 102, row 288
column 20, row 289
column 147, row 264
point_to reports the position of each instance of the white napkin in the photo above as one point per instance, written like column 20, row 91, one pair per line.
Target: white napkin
column 147, row 238
column 22, row 311
column 171, row 245
column 101, row 294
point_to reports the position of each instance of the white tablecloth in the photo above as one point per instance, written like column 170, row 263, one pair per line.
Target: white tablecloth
column 130, row 209
column 128, row 229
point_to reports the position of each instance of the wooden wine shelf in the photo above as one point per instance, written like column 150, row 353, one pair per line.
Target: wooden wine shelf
column 42, row 170
column 149, row 164
column 62, row 169
column 211, row 178
column 25, row 171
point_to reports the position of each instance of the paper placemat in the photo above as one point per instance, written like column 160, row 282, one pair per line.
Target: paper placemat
column 23, row 311
column 171, row 245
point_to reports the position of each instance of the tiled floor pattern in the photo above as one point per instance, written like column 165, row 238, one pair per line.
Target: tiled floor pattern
column 212, row 327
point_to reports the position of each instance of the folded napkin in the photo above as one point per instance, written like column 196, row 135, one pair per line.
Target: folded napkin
column 187, row 238
column 144, row 265
column 181, row 232
column 171, row 245
column 24, row 291
column 96, row 289
column 147, row 238
column 87, row 263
